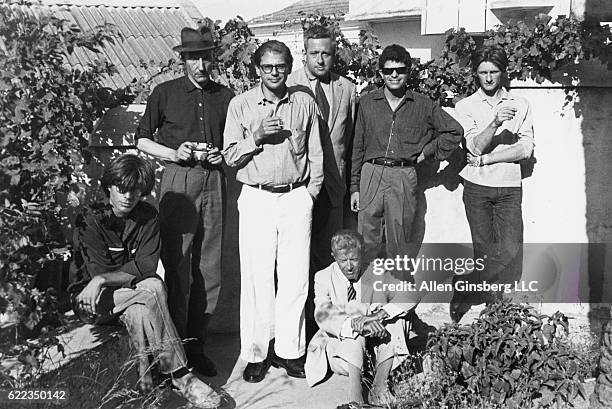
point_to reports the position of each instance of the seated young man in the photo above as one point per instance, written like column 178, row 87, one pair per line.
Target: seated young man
column 115, row 261
column 351, row 313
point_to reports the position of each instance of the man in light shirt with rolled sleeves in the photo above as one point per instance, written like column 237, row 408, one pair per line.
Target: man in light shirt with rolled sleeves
column 499, row 134
column 272, row 136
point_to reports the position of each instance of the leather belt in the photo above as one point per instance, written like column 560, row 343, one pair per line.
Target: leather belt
column 280, row 188
column 392, row 162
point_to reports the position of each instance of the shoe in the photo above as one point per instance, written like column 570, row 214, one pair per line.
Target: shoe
column 256, row 371
column 201, row 363
column 196, row 392
column 294, row 367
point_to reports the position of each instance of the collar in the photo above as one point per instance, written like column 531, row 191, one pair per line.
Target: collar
column 261, row 99
column 380, row 94
column 502, row 93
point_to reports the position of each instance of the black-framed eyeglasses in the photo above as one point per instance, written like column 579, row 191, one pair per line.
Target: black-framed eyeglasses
column 399, row 70
column 267, row 68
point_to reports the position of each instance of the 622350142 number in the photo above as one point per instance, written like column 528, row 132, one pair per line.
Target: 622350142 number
column 33, row 395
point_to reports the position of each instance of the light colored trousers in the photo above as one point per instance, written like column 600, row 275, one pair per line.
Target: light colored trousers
column 144, row 311
column 274, row 232
column 352, row 351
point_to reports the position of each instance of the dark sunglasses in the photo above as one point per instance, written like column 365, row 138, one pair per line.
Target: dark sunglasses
column 399, row 70
column 267, row 68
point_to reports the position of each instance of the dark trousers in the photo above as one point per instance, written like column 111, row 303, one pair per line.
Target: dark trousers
column 387, row 204
column 326, row 220
column 191, row 227
column 496, row 223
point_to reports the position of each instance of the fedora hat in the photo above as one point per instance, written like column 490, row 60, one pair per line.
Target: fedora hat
column 195, row 40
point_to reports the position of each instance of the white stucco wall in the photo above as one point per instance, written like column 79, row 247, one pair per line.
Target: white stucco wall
column 554, row 197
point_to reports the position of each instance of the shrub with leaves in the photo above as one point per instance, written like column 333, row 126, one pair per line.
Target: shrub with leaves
column 234, row 59
column 47, row 110
column 448, row 75
column 512, row 357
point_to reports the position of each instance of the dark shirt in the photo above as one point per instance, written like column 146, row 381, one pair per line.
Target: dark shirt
column 181, row 112
column 104, row 243
column 417, row 125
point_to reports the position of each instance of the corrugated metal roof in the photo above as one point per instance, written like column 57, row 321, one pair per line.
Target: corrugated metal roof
column 292, row 12
column 147, row 33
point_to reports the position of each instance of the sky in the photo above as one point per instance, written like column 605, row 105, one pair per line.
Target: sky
column 225, row 9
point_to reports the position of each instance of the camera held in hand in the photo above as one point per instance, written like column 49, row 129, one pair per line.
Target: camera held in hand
column 200, row 152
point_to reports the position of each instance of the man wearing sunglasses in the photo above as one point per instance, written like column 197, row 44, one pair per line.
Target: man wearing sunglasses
column 395, row 130
column 272, row 137
column 182, row 126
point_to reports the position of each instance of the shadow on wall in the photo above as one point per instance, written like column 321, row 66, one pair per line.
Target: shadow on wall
column 596, row 131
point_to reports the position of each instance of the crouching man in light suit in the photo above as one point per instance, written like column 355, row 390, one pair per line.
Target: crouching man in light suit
column 351, row 314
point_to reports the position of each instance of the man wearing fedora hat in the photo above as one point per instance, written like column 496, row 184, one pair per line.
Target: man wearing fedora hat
column 183, row 126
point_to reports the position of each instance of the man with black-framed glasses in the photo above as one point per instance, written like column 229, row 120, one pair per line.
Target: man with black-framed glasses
column 183, row 126
column 272, row 137
column 395, row 130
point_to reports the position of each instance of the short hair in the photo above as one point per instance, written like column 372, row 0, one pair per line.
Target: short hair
column 273, row 46
column 347, row 240
column 493, row 54
column 395, row 53
column 316, row 32
column 129, row 173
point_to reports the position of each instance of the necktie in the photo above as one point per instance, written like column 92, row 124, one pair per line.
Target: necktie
column 322, row 100
column 351, row 293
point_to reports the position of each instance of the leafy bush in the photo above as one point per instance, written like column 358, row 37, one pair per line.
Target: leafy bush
column 47, row 111
column 510, row 357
